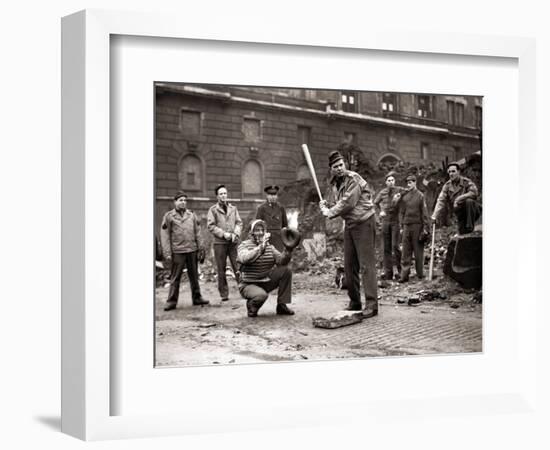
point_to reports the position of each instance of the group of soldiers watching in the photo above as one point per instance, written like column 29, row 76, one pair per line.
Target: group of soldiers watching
column 260, row 262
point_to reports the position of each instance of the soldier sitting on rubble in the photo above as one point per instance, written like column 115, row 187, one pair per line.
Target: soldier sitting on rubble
column 461, row 194
column 264, row 268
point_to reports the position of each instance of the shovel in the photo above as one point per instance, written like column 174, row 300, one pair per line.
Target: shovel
column 431, row 271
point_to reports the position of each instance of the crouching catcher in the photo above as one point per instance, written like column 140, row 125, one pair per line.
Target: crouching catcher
column 264, row 268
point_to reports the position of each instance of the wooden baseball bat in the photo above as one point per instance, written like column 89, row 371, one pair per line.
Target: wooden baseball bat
column 311, row 169
column 431, row 271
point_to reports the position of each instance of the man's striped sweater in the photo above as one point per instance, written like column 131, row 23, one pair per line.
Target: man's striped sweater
column 256, row 264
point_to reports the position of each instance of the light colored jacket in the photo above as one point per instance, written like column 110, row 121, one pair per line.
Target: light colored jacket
column 353, row 199
column 464, row 188
column 180, row 233
column 219, row 222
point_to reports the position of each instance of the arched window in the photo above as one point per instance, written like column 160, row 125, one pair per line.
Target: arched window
column 252, row 178
column 388, row 161
column 190, row 174
column 303, row 172
column 389, row 158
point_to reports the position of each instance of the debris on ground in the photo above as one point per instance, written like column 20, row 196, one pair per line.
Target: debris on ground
column 340, row 319
column 477, row 298
column 430, row 295
column 207, row 325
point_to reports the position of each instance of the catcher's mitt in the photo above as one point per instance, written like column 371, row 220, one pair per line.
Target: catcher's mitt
column 290, row 237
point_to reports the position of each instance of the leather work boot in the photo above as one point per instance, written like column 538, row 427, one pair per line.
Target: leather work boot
column 170, row 306
column 284, row 310
column 201, row 301
column 370, row 311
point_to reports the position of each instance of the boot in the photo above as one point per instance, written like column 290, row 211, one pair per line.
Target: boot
column 353, row 306
column 251, row 308
column 284, row 310
column 200, row 301
column 371, row 309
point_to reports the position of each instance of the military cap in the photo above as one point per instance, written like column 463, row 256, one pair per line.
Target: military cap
column 218, row 187
column 389, row 174
column 333, row 157
column 411, row 178
column 180, row 194
column 271, row 189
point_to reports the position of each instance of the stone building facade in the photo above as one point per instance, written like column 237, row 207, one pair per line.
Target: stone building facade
column 246, row 137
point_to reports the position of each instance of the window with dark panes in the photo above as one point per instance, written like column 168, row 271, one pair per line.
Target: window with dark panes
column 459, row 114
column 389, row 102
column 423, row 106
column 349, row 101
column 478, row 116
column 450, row 112
column 190, row 122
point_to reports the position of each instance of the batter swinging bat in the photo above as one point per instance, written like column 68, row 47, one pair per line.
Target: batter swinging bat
column 311, row 169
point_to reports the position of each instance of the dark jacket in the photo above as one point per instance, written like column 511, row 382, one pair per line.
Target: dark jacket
column 180, row 233
column 353, row 198
column 273, row 215
column 413, row 210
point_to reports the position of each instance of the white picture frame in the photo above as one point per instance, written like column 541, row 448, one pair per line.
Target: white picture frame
column 87, row 326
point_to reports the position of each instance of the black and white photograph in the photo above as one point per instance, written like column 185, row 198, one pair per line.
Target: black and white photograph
column 296, row 224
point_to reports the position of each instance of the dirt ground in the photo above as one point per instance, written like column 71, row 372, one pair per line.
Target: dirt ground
column 221, row 333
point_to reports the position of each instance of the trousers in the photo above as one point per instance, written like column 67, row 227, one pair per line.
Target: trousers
column 467, row 212
column 411, row 233
column 360, row 262
column 221, row 252
column 256, row 293
column 392, row 253
column 181, row 261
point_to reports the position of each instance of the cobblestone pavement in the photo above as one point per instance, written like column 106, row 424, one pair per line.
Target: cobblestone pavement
column 221, row 333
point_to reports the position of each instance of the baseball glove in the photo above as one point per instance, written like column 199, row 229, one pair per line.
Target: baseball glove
column 290, row 237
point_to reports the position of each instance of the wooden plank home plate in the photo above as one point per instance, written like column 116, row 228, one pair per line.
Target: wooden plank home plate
column 339, row 319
